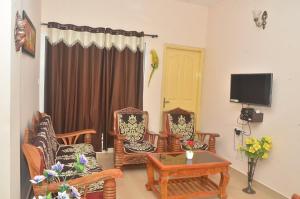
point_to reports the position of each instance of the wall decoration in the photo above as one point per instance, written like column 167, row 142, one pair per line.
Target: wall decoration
column 260, row 18
column 154, row 63
column 30, row 38
column 19, row 32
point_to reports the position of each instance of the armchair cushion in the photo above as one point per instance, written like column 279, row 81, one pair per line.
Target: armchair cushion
column 141, row 146
column 182, row 124
column 198, row 145
column 131, row 126
column 67, row 154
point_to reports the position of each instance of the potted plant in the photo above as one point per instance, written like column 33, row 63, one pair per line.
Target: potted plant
column 255, row 149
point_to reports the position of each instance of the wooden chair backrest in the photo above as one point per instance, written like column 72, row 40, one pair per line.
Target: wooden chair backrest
column 32, row 153
column 165, row 122
column 130, row 110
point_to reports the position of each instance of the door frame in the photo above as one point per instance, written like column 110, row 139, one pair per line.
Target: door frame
column 199, row 86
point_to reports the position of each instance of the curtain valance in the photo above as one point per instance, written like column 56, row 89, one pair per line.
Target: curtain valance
column 101, row 37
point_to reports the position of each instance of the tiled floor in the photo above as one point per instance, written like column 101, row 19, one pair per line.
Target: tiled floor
column 132, row 186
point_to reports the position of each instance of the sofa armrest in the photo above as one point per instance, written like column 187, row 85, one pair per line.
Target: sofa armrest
column 71, row 137
column 108, row 176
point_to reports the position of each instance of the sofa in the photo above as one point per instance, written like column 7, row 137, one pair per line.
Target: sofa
column 42, row 150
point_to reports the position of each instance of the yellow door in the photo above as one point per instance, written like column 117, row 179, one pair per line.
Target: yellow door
column 182, row 78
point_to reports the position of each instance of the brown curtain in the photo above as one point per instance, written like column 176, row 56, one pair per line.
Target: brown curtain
column 84, row 86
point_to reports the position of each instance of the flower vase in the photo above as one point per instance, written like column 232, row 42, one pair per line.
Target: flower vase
column 251, row 169
column 189, row 154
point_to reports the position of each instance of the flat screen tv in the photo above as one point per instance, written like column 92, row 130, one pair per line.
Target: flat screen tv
column 251, row 88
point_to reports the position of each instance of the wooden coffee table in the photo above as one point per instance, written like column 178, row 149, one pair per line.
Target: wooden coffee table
column 180, row 178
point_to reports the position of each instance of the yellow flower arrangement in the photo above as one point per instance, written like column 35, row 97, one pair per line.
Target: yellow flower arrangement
column 257, row 148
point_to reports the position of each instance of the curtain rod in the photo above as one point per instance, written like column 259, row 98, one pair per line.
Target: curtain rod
column 146, row 35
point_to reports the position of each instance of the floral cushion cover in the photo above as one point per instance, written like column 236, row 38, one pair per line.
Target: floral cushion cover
column 46, row 141
column 132, row 127
column 140, row 146
column 67, row 154
column 182, row 124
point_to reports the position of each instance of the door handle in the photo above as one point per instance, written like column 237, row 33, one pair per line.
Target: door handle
column 165, row 102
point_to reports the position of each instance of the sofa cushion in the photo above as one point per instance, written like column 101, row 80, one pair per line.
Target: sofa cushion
column 67, row 154
column 41, row 141
column 46, row 141
column 182, row 124
column 132, row 126
column 141, row 146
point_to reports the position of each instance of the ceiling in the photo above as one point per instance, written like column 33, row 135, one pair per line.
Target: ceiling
column 201, row 2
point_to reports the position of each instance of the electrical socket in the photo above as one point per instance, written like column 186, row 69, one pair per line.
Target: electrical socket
column 238, row 131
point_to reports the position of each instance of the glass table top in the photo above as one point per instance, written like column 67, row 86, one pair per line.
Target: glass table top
column 168, row 159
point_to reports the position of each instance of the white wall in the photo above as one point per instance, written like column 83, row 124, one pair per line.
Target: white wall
column 174, row 21
column 235, row 45
column 19, row 87
column 5, row 62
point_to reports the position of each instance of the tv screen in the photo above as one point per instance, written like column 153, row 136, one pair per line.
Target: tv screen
column 251, row 88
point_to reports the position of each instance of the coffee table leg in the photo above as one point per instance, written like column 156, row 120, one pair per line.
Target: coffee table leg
column 223, row 184
column 163, row 182
column 150, row 174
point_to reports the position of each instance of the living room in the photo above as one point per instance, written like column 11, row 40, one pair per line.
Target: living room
column 232, row 44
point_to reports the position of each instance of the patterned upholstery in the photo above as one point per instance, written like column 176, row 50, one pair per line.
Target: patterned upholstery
column 141, row 146
column 46, row 141
column 66, row 155
column 183, row 124
column 132, row 127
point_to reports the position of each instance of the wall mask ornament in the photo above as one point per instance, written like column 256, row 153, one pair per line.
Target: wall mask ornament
column 19, row 34
column 260, row 18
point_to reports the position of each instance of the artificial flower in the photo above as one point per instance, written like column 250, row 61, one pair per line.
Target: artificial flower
column 74, row 192
column 50, row 173
column 265, row 156
column 249, row 141
column 268, row 139
column 256, row 146
column 38, row 179
column 267, row 146
column 58, row 167
column 63, row 195
column 82, row 159
column 252, row 150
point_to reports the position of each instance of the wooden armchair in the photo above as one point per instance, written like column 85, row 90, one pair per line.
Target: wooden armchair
column 132, row 139
column 95, row 183
column 179, row 126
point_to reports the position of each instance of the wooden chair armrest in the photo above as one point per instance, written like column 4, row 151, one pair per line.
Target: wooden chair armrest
column 82, row 181
column 208, row 134
column 71, row 137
